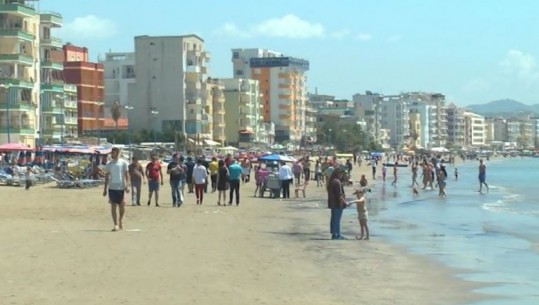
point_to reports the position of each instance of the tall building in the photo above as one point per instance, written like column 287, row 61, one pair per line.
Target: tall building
column 455, row 125
column 119, row 72
column 88, row 77
column 168, row 91
column 243, row 111
column 474, row 129
column 282, row 82
column 19, row 71
column 53, row 99
column 437, row 115
column 395, row 117
column 369, row 107
column 216, row 110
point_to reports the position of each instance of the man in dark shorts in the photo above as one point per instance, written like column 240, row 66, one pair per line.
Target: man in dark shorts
column 116, row 185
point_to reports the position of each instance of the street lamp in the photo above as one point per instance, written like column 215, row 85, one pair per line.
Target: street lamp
column 129, row 108
column 62, row 118
column 154, row 113
column 7, row 110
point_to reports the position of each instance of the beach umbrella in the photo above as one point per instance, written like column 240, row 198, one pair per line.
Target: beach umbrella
column 276, row 157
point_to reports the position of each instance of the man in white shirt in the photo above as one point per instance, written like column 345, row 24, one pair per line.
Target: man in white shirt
column 116, row 184
column 285, row 176
column 200, row 178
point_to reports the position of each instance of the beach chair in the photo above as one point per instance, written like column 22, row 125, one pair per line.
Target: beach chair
column 63, row 180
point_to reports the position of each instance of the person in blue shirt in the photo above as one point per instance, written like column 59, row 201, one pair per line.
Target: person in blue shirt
column 235, row 171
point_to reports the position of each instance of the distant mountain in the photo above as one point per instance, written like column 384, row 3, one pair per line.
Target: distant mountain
column 506, row 106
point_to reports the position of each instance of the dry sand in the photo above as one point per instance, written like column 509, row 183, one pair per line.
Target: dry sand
column 57, row 248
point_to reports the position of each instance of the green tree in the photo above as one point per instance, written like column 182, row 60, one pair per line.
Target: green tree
column 116, row 112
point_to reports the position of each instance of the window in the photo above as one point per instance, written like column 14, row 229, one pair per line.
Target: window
column 239, row 72
column 236, row 55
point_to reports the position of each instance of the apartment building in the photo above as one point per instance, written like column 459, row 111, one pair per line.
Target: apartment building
column 118, row 74
column 52, row 96
column 369, row 109
column 395, row 118
column 88, row 77
column 520, row 131
column 216, row 110
column 437, row 115
column 455, row 125
column 168, row 90
column 474, row 129
column 19, row 71
column 282, row 81
column 243, row 111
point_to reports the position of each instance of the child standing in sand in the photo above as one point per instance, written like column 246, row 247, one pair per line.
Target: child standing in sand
column 362, row 214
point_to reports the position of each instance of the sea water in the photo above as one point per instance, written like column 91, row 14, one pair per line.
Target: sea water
column 494, row 235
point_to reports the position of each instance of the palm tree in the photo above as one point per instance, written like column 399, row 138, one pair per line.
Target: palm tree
column 116, row 111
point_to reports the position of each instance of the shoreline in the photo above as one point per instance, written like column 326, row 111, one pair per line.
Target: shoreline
column 266, row 251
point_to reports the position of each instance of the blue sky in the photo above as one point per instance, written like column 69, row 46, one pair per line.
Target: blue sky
column 472, row 51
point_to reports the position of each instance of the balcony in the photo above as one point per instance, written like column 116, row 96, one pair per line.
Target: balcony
column 16, row 59
column 17, row 82
column 17, row 9
column 54, row 109
column 17, row 33
column 52, row 65
column 22, row 106
column 53, row 19
column 23, row 130
column 52, row 87
column 51, row 42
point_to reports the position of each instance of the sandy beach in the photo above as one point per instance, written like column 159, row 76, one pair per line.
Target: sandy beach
column 57, row 248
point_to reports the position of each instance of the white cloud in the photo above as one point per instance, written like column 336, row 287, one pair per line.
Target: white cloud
column 522, row 64
column 88, row 27
column 231, row 30
column 289, row 26
column 363, row 36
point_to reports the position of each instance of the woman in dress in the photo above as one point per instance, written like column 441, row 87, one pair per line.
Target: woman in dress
column 222, row 182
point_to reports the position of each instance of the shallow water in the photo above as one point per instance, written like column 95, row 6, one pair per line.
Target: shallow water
column 493, row 235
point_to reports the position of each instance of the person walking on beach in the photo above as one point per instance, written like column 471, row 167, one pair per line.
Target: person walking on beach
column 200, row 178
column 363, row 181
column 482, row 176
column 373, row 165
column 28, row 178
column 136, row 175
column 336, row 202
column 318, row 173
column 213, row 167
column 116, row 185
column 395, row 173
column 222, row 182
column 234, row 171
column 415, row 167
column 154, row 174
column 285, row 176
column 177, row 171
column 456, row 174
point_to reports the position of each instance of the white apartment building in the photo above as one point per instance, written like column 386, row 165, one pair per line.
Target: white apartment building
column 520, row 131
column 395, row 117
column 368, row 108
column 474, row 131
column 167, row 93
column 119, row 74
column 282, row 82
column 437, row 115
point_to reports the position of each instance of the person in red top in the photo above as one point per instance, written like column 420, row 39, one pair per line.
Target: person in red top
column 155, row 177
